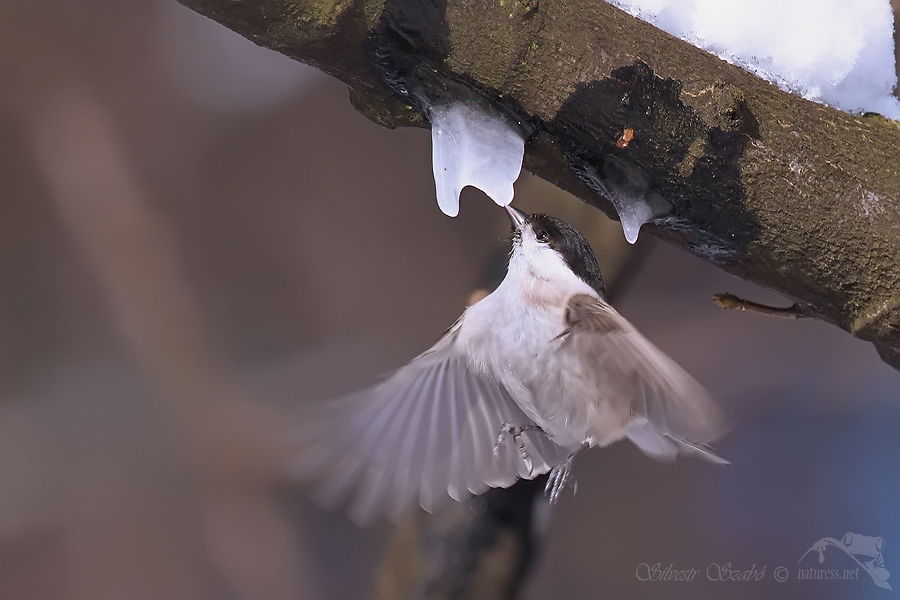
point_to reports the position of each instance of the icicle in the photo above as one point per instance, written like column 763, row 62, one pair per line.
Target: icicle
column 630, row 194
column 633, row 212
column 472, row 146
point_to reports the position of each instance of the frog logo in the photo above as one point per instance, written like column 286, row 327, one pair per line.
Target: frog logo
column 866, row 551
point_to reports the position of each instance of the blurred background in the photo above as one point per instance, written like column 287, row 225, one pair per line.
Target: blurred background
column 197, row 236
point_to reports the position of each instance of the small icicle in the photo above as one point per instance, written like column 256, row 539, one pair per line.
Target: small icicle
column 473, row 146
column 633, row 212
column 630, row 194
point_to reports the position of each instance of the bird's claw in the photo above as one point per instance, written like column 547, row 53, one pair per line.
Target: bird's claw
column 560, row 478
column 515, row 431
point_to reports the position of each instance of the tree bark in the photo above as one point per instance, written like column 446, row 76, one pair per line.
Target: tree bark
column 796, row 196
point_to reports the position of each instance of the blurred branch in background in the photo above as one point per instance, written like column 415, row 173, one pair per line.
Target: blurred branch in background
column 231, row 437
column 487, row 547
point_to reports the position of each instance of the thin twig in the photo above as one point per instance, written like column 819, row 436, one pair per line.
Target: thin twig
column 730, row 301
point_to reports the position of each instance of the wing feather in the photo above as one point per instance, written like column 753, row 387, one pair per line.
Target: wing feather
column 439, row 426
column 425, row 434
column 407, row 442
column 671, row 411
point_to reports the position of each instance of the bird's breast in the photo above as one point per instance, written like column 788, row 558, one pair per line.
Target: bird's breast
column 517, row 340
column 516, row 343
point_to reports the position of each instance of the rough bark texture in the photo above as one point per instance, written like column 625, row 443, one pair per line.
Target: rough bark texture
column 795, row 196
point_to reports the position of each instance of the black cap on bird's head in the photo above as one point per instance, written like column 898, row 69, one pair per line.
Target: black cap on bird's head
column 565, row 240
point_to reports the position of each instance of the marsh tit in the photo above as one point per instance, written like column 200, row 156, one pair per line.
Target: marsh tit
column 526, row 379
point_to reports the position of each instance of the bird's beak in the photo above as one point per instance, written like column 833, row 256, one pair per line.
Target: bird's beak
column 517, row 217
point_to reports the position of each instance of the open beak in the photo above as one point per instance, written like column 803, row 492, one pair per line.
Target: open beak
column 517, row 217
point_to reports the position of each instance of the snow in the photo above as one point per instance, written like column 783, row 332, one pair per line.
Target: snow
column 831, row 51
column 472, row 145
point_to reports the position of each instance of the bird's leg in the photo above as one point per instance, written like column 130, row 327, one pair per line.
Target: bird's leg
column 515, row 430
column 561, row 476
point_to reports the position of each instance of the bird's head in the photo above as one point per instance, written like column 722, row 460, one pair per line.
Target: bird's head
column 550, row 249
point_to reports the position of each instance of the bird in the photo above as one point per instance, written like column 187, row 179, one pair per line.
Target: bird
column 523, row 382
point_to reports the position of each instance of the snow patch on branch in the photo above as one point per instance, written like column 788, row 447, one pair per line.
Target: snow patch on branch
column 830, row 51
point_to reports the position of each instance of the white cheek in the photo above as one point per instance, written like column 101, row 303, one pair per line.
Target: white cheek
column 539, row 275
column 541, row 261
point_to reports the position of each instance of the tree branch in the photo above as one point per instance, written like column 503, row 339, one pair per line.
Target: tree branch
column 732, row 302
column 795, row 196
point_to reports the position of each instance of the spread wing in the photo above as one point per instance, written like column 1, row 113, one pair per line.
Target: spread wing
column 424, row 434
column 671, row 411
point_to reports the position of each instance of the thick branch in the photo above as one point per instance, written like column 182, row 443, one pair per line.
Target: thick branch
column 795, row 196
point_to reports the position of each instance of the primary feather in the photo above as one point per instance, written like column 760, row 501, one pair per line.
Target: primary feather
column 424, row 435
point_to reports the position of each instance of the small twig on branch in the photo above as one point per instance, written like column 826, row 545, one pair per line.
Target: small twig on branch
column 730, row 301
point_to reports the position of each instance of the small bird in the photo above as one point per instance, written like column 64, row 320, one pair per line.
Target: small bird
column 525, row 380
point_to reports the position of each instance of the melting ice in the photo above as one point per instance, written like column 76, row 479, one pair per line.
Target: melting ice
column 473, row 146
column 476, row 146
column 633, row 212
column 630, row 194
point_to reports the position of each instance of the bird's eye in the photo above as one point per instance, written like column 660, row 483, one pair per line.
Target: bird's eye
column 542, row 236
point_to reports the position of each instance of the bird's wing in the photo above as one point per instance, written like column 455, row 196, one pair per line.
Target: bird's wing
column 671, row 411
column 424, row 434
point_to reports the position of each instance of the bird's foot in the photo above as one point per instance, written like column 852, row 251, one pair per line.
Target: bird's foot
column 561, row 477
column 515, row 431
